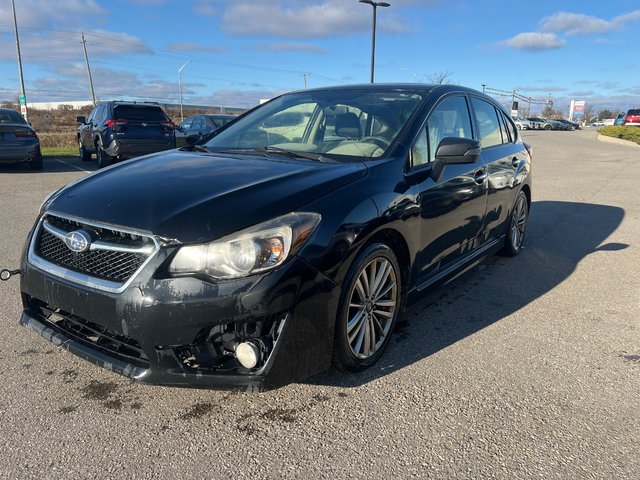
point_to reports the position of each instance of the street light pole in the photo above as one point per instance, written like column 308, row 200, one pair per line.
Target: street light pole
column 180, row 87
column 375, row 6
column 23, row 97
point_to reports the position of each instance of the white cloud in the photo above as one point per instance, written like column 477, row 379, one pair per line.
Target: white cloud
column 62, row 46
column 580, row 24
column 574, row 24
column 303, row 19
column 534, row 41
column 43, row 13
column 69, row 82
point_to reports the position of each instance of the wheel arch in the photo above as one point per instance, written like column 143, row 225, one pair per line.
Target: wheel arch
column 393, row 239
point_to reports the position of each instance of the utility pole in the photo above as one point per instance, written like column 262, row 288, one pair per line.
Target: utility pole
column 23, row 97
column 86, row 59
column 305, row 80
column 484, row 87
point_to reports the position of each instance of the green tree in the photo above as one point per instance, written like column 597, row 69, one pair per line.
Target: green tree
column 606, row 113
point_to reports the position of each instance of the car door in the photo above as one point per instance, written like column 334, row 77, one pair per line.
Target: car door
column 504, row 156
column 85, row 130
column 452, row 206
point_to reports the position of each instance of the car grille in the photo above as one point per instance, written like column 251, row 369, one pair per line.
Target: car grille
column 120, row 346
column 114, row 255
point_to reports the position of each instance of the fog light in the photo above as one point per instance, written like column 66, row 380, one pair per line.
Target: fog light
column 248, row 354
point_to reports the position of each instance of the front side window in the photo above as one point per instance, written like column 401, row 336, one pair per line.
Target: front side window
column 332, row 124
column 198, row 124
column 449, row 119
column 488, row 124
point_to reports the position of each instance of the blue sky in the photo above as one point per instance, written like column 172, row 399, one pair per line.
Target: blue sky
column 245, row 50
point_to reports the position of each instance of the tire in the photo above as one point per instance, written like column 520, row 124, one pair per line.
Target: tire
column 85, row 156
column 547, row 127
column 37, row 163
column 104, row 160
column 517, row 226
column 367, row 311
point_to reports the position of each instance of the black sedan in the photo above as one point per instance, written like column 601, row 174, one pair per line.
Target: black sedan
column 289, row 240
column 198, row 126
column 19, row 142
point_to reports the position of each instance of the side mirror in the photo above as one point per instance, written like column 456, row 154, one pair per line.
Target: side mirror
column 81, row 119
column 193, row 139
column 453, row 150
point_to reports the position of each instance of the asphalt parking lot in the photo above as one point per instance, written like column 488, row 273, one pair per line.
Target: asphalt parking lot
column 522, row 368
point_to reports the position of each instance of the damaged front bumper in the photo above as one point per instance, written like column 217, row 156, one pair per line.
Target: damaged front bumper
column 183, row 331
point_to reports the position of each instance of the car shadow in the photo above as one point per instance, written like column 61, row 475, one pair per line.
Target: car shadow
column 53, row 164
column 559, row 236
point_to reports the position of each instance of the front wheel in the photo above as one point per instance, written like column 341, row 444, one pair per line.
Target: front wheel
column 104, row 160
column 368, row 309
column 517, row 226
column 85, row 156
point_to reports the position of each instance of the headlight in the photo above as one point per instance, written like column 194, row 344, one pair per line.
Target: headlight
column 256, row 249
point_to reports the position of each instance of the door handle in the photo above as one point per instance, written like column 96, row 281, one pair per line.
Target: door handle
column 480, row 176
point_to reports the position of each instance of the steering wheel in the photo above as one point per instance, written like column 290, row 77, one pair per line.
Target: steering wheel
column 379, row 141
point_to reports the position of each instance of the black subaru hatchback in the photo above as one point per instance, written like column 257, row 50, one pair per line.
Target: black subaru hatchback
column 288, row 240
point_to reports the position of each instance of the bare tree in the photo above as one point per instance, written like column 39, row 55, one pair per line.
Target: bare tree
column 440, row 78
column 588, row 113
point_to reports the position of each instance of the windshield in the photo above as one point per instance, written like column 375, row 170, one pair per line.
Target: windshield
column 335, row 123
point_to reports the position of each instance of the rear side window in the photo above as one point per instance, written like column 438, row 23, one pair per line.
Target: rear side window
column 509, row 133
column 128, row 112
column 633, row 112
column 488, row 124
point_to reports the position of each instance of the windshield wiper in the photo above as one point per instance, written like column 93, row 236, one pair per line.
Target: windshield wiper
column 291, row 153
column 195, row 148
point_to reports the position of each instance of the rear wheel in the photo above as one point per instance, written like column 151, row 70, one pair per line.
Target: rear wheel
column 36, row 162
column 104, row 160
column 517, row 226
column 368, row 309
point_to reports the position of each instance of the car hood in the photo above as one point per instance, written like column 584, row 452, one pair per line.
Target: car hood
column 193, row 197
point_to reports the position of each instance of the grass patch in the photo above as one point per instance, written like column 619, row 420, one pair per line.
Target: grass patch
column 59, row 151
column 626, row 133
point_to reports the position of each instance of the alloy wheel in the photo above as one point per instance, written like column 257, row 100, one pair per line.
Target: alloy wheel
column 519, row 222
column 372, row 306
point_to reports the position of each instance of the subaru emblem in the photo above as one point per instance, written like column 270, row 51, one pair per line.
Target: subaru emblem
column 78, row 241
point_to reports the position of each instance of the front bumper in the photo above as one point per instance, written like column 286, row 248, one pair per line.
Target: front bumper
column 161, row 317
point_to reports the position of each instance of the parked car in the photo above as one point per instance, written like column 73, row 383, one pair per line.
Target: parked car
column 522, row 123
column 632, row 118
column 561, row 125
column 255, row 259
column 119, row 130
column 19, row 143
column 200, row 126
column 619, row 120
column 535, row 124
column 542, row 123
column 569, row 125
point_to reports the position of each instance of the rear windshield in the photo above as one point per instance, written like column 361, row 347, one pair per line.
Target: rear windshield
column 633, row 112
column 219, row 122
column 150, row 114
column 9, row 116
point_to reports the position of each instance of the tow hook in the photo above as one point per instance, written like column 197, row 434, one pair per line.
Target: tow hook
column 7, row 274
